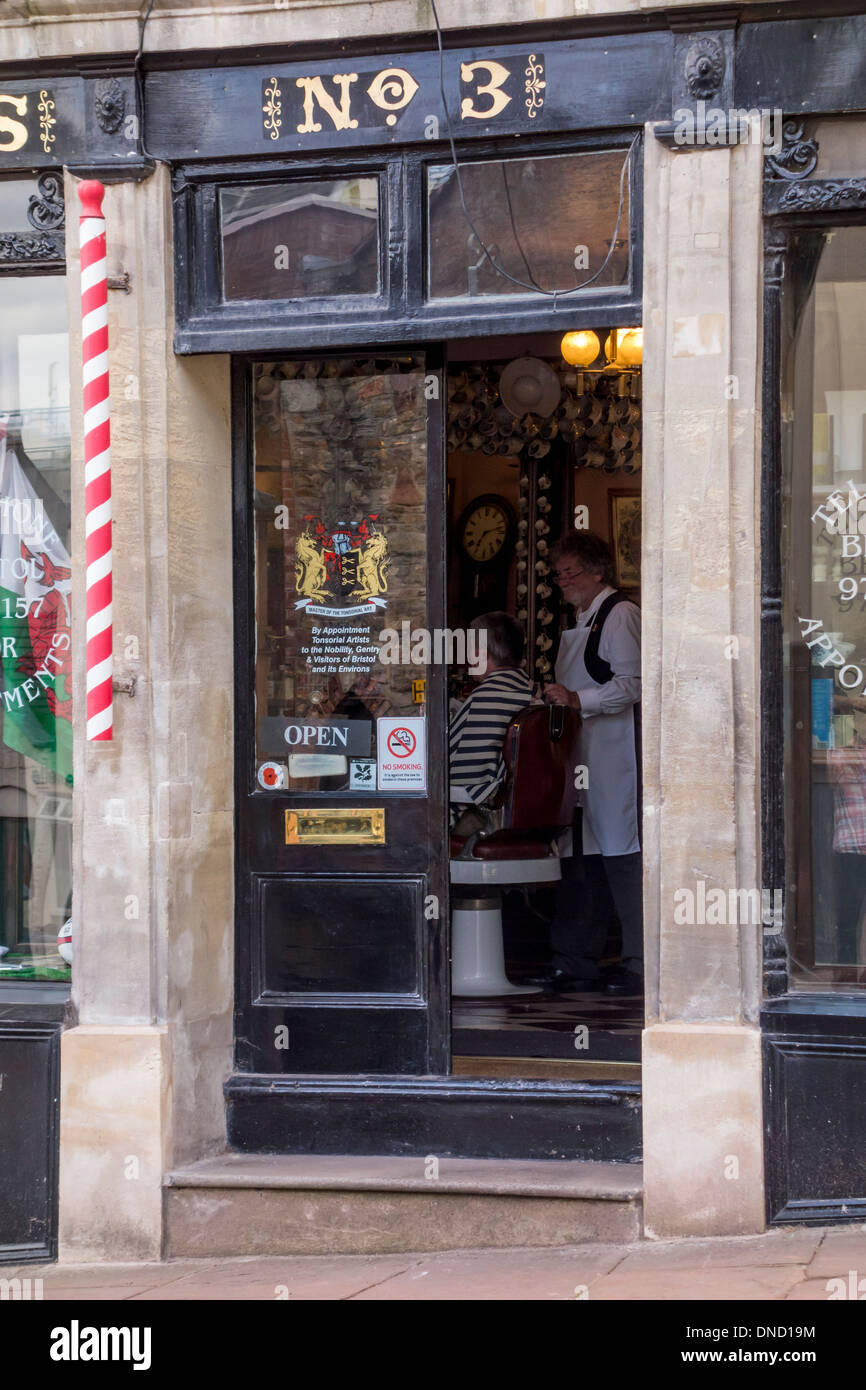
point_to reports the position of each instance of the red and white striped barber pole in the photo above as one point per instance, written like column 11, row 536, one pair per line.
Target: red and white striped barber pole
column 97, row 460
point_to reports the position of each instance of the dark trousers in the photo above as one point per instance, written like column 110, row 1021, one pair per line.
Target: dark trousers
column 595, row 890
column 849, row 873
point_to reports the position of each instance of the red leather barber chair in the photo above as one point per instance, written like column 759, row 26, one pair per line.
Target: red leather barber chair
column 541, row 755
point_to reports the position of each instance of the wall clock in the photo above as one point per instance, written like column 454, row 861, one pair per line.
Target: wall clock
column 485, row 528
column 485, row 537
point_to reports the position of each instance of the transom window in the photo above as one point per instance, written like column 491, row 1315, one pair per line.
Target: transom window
column 394, row 248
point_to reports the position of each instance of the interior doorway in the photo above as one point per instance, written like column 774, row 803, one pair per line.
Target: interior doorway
column 518, row 479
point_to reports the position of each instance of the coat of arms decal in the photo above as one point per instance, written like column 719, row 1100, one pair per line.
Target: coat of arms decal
column 343, row 571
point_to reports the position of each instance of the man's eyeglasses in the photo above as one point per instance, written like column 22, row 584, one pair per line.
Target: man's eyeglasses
column 559, row 575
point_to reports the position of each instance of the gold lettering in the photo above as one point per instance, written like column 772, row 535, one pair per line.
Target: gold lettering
column 392, row 89
column 16, row 130
column 314, row 90
column 498, row 75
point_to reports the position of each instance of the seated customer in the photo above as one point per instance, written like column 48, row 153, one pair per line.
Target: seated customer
column 478, row 730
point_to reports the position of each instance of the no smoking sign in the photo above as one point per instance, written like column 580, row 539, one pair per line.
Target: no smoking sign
column 401, row 754
column 401, row 743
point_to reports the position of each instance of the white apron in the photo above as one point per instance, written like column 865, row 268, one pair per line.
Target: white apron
column 610, row 801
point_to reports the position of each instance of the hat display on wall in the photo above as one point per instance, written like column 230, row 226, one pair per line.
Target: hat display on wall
column 529, row 386
column 597, row 416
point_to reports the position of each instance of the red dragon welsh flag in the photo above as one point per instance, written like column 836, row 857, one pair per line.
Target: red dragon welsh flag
column 35, row 637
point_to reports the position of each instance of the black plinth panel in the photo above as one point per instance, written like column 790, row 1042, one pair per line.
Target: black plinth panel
column 452, row 1117
column 30, row 1027
column 815, row 1112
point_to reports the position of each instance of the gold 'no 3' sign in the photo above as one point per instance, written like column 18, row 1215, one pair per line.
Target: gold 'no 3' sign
column 335, row 99
column 336, row 826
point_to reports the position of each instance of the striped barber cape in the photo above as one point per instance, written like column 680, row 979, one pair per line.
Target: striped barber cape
column 479, row 728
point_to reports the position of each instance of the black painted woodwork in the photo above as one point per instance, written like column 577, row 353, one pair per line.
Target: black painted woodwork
column 87, row 128
column 814, row 1045
column 815, row 1119
column 31, row 1020
column 603, row 72
column 42, row 250
column 590, row 84
column 348, row 936
column 361, row 983
column 401, row 313
column 463, row 1117
column 803, row 66
column 772, row 667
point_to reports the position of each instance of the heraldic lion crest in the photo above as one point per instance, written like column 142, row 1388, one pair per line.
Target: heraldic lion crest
column 343, row 564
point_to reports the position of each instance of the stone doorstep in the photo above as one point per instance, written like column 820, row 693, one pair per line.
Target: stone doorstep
column 284, row 1204
column 489, row 1177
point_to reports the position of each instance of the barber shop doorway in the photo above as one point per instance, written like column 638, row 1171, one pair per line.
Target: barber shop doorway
column 398, row 500
column 539, row 448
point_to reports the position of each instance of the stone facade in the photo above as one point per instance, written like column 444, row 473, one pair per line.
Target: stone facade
column 153, row 808
column 700, row 571
column 143, row 1069
column 64, row 27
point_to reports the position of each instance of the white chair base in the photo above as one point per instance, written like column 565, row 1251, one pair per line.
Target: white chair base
column 477, row 955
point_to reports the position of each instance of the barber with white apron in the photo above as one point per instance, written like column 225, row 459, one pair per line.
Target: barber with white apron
column 598, row 673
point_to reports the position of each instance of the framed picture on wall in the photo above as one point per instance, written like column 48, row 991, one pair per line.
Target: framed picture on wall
column 625, row 524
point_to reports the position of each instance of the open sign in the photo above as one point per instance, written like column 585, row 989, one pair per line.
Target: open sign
column 348, row 736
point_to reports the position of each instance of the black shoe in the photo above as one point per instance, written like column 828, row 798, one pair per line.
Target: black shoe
column 560, row 982
column 623, row 981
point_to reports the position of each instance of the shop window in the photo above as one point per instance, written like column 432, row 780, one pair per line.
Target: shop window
column 340, row 536
column 35, row 585
column 298, row 240
column 548, row 222
column 824, row 556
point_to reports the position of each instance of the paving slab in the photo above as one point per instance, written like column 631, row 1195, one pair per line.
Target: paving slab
column 304, row 1278
column 77, row 1280
column 841, row 1249
column 493, row 1275
column 780, row 1247
column 701, row 1283
column 792, row 1264
column 810, row 1291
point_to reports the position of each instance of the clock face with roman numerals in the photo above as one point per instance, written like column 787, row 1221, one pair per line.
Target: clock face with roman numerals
column 485, row 531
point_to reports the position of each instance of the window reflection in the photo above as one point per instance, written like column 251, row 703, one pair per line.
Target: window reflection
column 300, row 239
column 825, row 549
column 340, row 526
column 15, row 195
column 35, row 632
column 548, row 222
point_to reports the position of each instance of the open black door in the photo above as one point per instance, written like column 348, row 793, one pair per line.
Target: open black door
column 341, row 718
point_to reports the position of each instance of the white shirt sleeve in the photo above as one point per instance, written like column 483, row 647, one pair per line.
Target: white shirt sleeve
column 620, row 648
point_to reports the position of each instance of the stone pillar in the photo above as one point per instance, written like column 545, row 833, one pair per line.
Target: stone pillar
column 141, row 1073
column 703, row 1160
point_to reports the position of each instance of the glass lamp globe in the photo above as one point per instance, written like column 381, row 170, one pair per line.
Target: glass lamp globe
column 581, row 348
column 630, row 347
column 624, row 347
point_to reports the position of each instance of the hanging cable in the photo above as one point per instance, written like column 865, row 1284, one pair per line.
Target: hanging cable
column 139, row 78
column 503, row 164
column 500, row 270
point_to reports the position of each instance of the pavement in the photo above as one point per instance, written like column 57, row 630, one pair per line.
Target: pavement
column 795, row 1264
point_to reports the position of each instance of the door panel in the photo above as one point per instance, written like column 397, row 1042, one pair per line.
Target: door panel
column 342, row 855
column 348, row 936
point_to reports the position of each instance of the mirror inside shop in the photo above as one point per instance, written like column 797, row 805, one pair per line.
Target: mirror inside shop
column 543, row 529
